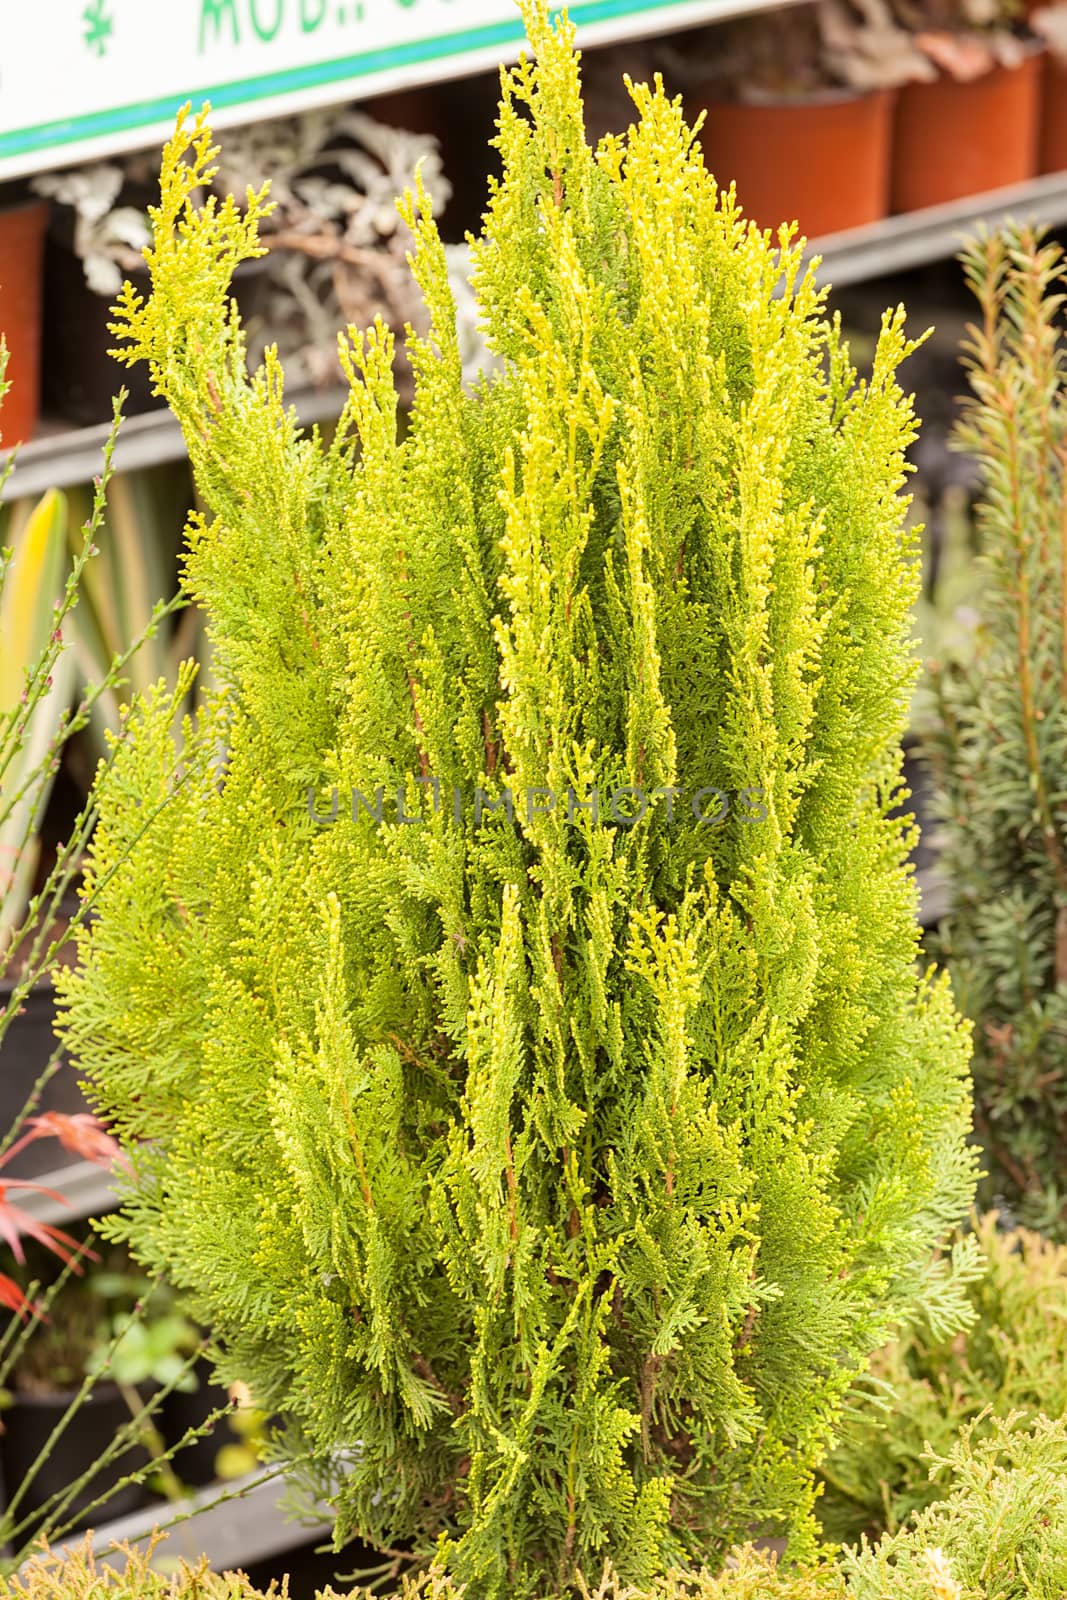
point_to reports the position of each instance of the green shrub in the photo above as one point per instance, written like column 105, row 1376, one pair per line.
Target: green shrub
column 999, row 1534
column 923, row 1389
column 1000, row 748
column 749, row 1574
column 554, row 1174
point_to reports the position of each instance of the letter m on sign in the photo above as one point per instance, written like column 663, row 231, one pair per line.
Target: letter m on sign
column 214, row 15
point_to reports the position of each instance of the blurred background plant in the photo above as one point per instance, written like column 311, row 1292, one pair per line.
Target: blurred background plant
column 964, row 38
column 998, row 1531
column 801, row 51
column 997, row 742
column 110, row 1328
column 137, row 561
column 338, row 247
column 107, row 231
column 923, row 1391
column 36, row 688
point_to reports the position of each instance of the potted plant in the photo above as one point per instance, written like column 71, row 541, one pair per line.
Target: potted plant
column 999, row 746
column 975, row 127
column 798, row 109
column 99, row 229
column 1050, row 24
column 553, row 1168
column 91, row 1340
column 47, row 1394
column 23, row 220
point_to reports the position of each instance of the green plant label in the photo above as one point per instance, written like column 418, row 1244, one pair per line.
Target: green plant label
column 80, row 79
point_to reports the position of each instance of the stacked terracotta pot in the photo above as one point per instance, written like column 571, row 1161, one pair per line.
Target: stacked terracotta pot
column 1051, row 21
column 22, row 229
column 840, row 160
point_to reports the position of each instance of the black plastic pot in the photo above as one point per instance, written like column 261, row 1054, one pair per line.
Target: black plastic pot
column 80, row 378
column 28, row 1424
column 195, row 1464
column 24, row 1054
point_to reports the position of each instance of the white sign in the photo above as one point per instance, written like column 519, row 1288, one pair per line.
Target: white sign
column 83, row 78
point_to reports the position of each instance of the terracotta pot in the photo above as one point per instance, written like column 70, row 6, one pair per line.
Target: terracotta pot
column 22, row 230
column 956, row 139
column 1052, row 144
column 822, row 162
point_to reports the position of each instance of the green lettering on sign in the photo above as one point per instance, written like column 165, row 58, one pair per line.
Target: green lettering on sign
column 309, row 24
column 266, row 33
column 212, row 14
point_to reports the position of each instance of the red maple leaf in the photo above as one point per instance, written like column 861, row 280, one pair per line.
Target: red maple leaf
column 77, row 1132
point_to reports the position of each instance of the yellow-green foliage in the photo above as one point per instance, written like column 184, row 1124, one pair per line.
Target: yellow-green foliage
column 924, row 1388
column 78, row 1575
column 555, row 1176
column 1000, row 1533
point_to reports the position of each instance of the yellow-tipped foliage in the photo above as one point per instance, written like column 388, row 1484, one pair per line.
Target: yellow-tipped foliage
column 555, row 1175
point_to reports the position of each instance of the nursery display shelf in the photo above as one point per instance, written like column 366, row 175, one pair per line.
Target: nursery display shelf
column 910, row 240
column 248, row 1525
column 85, row 1187
column 62, row 456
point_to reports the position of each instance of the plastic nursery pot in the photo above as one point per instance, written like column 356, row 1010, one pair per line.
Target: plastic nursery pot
column 22, row 230
column 80, row 378
column 822, row 162
column 28, row 1424
column 1052, row 141
column 195, row 1463
column 956, row 139
column 24, row 1053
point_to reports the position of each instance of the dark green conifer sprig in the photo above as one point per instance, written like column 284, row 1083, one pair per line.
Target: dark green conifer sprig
column 555, row 1176
column 1000, row 752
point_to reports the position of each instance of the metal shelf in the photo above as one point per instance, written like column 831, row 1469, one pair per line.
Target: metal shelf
column 917, row 237
column 60, row 458
column 86, row 1187
column 248, row 1525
